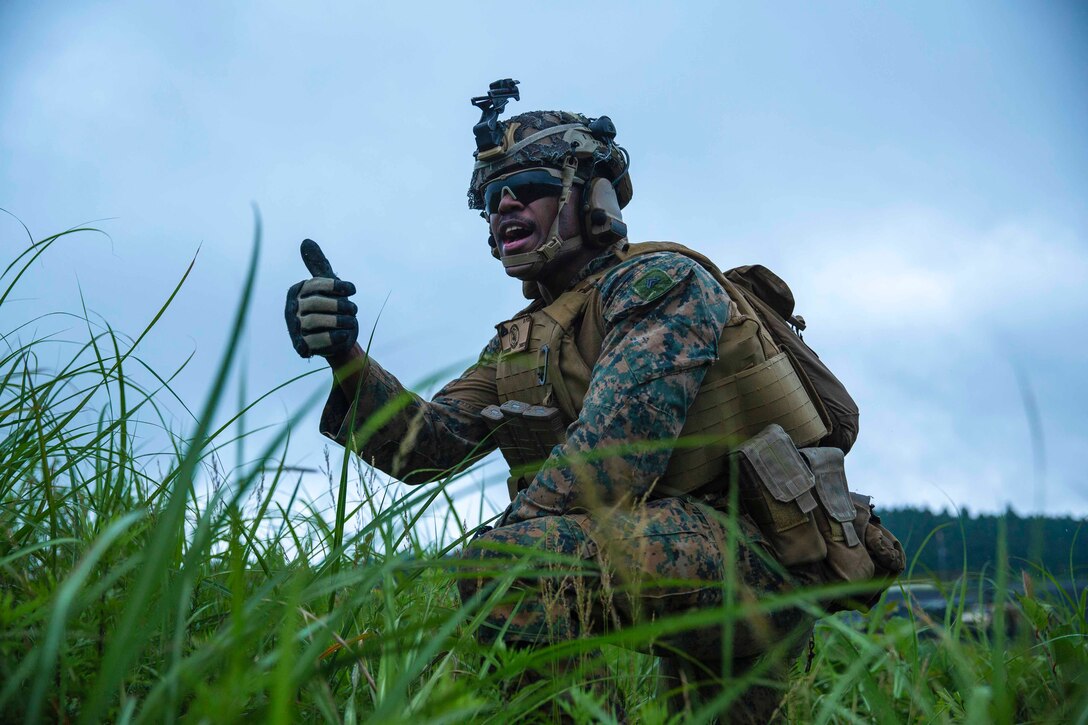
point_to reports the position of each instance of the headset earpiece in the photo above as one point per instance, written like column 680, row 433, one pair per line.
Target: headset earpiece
column 602, row 219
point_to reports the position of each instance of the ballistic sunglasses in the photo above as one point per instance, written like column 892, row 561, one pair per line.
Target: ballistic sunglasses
column 525, row 186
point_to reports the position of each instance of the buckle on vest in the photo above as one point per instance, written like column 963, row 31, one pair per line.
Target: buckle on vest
column 542, row 367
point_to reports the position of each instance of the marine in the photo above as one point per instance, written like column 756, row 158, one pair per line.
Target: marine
column 661, row 440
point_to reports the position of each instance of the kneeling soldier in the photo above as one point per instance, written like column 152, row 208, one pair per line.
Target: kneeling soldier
column 624, row 350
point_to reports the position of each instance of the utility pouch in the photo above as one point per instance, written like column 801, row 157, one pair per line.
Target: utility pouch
column 526, row 435
column 511, row 445
column 859, row 548
column 836, row 517
column 776, row 490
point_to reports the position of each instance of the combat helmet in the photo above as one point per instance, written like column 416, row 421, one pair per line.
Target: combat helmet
column 572, row 148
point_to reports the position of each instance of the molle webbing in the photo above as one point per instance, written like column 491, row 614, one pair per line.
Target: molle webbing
column 730, row 409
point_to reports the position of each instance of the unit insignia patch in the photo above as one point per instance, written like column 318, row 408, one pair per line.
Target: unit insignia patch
column 652, row 284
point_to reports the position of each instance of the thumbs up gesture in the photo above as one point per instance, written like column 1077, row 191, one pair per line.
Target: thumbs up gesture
column 320, row 317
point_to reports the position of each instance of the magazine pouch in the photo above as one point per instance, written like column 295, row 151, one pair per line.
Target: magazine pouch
column 777, row 490
column 847, row 556
column 859, row 548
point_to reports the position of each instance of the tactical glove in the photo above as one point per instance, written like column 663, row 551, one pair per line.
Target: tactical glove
column 320, row 318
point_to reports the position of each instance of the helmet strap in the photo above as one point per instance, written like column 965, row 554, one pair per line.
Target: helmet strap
column 556, row 245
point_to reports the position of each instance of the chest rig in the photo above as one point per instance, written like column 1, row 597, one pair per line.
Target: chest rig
column 546, row 359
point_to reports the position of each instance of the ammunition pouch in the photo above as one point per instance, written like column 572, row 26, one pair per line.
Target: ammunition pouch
column 847, row 559
column 526, row 435
column 777, row 492
column 802, row 505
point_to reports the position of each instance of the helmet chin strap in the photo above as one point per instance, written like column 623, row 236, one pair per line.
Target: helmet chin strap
column 556, row 245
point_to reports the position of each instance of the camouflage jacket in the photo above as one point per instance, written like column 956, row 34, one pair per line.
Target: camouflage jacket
column 658, row 345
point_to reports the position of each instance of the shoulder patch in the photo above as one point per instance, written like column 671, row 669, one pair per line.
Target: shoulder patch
column 653, row 283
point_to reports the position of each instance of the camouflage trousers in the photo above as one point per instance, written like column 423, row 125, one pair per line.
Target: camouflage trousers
column 577, row 575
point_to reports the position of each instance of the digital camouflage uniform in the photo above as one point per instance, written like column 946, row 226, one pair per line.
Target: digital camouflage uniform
column 594, row 500
column 634, row 408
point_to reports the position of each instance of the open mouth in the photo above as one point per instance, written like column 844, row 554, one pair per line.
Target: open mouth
column 516, row 235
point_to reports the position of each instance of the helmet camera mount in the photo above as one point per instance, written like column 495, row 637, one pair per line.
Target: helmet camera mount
column 489, row 131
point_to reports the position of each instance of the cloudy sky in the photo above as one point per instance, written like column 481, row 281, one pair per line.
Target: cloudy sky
column 917, row 172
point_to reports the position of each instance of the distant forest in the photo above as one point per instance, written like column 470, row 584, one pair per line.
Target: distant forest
column 1032, row 541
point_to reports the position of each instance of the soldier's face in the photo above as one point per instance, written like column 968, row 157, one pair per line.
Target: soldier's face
column 523, row 227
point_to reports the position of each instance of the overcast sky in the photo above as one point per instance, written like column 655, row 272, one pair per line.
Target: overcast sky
column 916, row 171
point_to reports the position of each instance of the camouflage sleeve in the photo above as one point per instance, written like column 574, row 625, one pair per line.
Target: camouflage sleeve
column 409, row 438
column 663, row 317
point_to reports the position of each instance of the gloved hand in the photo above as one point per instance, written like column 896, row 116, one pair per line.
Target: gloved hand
column 320, row 318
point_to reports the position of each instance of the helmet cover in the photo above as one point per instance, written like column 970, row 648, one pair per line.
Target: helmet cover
column 597, row 156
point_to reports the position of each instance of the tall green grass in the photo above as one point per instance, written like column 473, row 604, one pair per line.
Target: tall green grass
column 141, row 586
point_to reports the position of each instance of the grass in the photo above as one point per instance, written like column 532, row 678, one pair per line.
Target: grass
column 154, row 587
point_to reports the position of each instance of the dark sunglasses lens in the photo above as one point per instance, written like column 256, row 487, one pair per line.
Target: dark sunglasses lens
column 524, row 193
column 527, row 188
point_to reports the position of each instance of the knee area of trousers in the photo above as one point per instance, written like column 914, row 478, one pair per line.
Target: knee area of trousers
column 481, row 561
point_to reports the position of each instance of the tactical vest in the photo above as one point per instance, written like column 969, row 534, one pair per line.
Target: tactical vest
column 548, row 352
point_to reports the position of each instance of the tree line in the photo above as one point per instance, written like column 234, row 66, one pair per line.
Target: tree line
column 945, row 544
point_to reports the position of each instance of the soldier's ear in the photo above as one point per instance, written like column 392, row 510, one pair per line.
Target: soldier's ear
column 602, row 219
column 493, row 244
